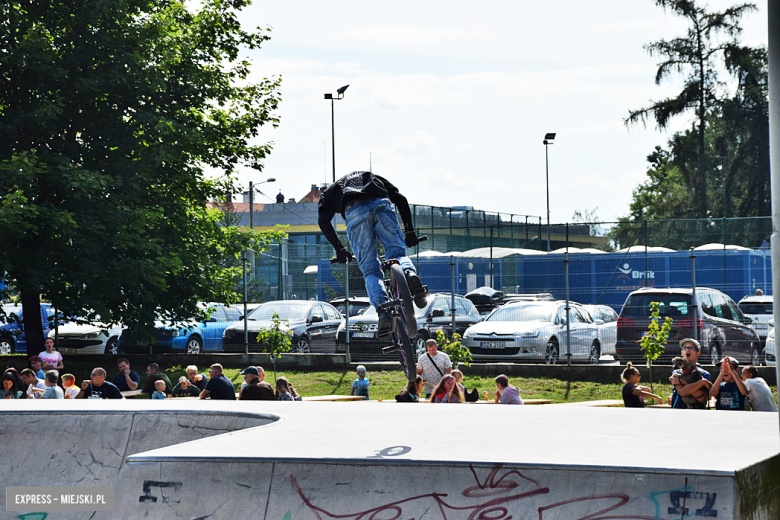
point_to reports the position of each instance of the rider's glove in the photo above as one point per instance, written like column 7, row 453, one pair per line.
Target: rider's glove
column 411, row 238
column 344, row 256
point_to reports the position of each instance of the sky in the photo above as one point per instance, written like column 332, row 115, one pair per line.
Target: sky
column 451, row 100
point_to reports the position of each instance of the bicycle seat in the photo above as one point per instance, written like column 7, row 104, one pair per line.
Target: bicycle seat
column 387, row 263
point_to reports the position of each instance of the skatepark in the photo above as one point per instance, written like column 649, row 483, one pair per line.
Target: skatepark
column 385, row 461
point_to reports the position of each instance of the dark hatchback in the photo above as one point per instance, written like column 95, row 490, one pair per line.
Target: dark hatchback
column 435, row 316
column 722, row 329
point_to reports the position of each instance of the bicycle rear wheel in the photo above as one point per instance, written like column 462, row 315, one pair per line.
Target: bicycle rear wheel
column 401, row 288
column 406, row 354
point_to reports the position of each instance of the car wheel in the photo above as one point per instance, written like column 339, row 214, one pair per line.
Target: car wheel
column 302, row 346
column 551, row 353
column 419, row 343
column 6, row 346
column 714, row 353
column 755, row 357
column 194, row 345
column 595, row 354
column 112, row 346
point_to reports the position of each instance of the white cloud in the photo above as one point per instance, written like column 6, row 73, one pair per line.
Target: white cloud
column 418, row 143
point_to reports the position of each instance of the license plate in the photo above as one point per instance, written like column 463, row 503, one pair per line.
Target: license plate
column 362, row 335
column 492, row 344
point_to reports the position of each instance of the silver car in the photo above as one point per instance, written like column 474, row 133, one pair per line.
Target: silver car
column 770, row 356
column 606, row 318
column 759, row 309
column 527, row 331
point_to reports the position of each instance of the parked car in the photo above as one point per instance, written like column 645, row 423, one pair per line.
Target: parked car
column 534, row 331
column 722, row 329
column 759, row 309
column 311, row 324
column 12, row 336
column 87, row 338
column 608, row 328
column 357, row 304
column 770, row 354
column 486, row 299
column 435, row 316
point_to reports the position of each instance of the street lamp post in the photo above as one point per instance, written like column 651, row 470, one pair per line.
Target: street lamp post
column 252, row 190
column 548, row 139
column 339, row 95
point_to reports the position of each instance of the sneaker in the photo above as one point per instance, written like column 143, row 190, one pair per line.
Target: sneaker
column 385, row 326
column 418, row 290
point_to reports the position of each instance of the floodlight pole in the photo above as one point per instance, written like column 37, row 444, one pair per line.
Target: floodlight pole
column 547, row 178
column 339, row 95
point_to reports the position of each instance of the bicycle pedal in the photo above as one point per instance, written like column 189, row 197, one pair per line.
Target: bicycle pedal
column 392, row 349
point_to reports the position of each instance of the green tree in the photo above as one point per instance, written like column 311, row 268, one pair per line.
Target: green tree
column 275, row 340
column 454, row 349
column 110, row 113
column 653, row 343
column 695, row 56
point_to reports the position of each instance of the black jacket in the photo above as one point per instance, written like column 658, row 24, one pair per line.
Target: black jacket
column 257, row 390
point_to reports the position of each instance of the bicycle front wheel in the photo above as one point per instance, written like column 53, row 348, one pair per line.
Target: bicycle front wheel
column 406, row 354
column 402, row 292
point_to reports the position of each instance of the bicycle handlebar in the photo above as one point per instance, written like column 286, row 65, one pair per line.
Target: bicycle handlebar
column 337, row 261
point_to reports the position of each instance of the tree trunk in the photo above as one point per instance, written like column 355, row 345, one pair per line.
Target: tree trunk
column 33, row 325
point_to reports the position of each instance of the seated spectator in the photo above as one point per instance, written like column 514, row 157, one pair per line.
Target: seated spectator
column 196, row 379
column 13, row 369
column 285, row 391
column 154, row 374
column 633, row 395
column 185, row 388
column 98, row 388
column 36, row 365
column 759, row 393
column 10, row 388
column 69, row 387
column 447, row 391
column 458, row 375
column 126, row 380
column 411, row 394
column 260, row 374
column 52, row 390
column 506, row 393
column 219, row 386
column 159, row 390
column 360, row 385
column 728, row 389
column 256, row 389
column 32, row 382
column 51, row 358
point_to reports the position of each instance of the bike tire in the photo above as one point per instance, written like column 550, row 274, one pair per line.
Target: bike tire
column 401, row 288
column 406, row 354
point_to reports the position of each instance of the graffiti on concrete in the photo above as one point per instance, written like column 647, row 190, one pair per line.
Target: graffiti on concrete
column 173, row 487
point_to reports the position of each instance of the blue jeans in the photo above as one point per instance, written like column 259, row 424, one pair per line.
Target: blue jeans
column 368, row 220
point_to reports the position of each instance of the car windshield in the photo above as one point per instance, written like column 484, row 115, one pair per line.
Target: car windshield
column 286, row 311
column 669, row 304
column 756, row 308
column 523, row 313
column 8, row 309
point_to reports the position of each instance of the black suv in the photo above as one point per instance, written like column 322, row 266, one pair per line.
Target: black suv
column 364, row 345
column 722, row 329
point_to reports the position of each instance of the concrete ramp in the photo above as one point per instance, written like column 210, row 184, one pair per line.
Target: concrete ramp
column 380, row 461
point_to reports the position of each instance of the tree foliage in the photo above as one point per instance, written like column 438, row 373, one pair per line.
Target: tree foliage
column 276, row 339
column 653, row 342
column 110, row 113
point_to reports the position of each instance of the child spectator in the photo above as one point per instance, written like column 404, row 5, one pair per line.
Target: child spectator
column 69, row 386
column 728, row 388
column 759, row 394
column 52, row 390
column 35, row 365
column 411, row 394
column 159, row 390
column 506, row 393
column 196, row 379
column 285, row 391
column 10, row 388
column 360, row 385
column 185, row 388
column 447, row 391
column 632, row 393
column 50, row 358
column 458, row 375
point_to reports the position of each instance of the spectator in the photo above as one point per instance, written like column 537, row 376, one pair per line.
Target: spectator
column 159, row 390
column 10, row 388
column 260, row 374
column 69, row 387
column 185, row 388
column 199, row 380
column 458, row 375
column 411, row 394
column 13, row 368
column 447, row 391
column 52, row 390
column 433, row 366
column 759, row 394
column 285, row 391
column 36, row 364
column 728, row 389
column 153, row 374
column 360, row 385
column 51, row 358
column 506, row 393
column 126, row 380
column 633, row 394
column 219, row 386
column 256, row 389
column 98, row 388
column 690, row 350
column 31, row 380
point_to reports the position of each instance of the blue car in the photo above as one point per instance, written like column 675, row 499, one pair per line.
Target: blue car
column 197, row 337
column 12, row 337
